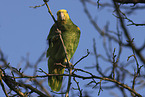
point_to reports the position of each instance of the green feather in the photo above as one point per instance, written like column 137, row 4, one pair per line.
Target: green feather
column 70, row 35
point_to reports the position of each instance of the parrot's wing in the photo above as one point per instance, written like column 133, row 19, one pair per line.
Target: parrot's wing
column 51, row 40
column 55, row 53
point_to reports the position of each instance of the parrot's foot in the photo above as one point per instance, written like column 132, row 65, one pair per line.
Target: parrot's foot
column 59, row 64
column 58, row 31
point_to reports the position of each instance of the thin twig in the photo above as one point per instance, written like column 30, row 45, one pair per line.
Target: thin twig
column 1, row 82
column 13, row 85
column 80, row 90
column 82, row 58
column 69, row 83
column 50, row 12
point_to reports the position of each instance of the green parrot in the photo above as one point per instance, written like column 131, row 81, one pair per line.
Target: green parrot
column 70, row 34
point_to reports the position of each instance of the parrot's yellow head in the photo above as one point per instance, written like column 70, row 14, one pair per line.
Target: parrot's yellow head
column 62, row 15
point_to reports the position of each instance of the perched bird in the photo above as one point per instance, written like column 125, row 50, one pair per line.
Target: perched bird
column 70, row 34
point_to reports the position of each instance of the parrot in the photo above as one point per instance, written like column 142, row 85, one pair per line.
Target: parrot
column 55, row 53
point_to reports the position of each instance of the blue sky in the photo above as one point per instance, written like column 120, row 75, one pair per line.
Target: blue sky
column 24, row 30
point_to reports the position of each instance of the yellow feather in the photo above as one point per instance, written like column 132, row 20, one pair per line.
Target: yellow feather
column 62, row 15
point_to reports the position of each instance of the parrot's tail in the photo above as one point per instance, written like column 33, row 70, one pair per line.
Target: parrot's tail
column 55, row 82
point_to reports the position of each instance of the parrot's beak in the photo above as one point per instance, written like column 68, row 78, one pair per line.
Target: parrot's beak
column 62, row 16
